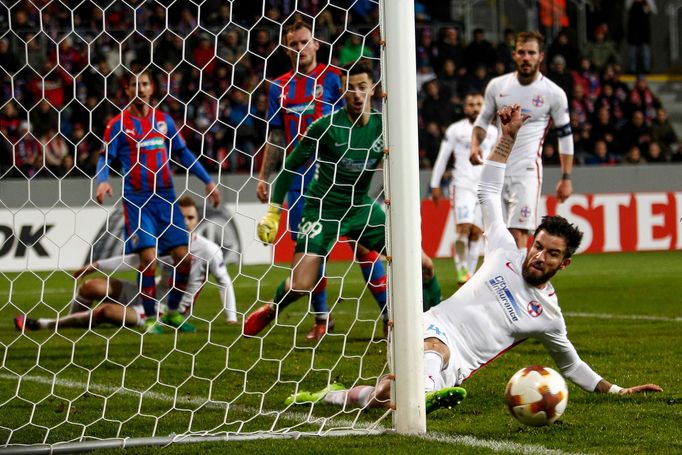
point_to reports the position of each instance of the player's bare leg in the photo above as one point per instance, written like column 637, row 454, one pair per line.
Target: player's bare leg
column 303, row 279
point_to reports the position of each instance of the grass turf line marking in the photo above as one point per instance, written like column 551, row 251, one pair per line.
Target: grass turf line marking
column 299, row 417
column 498, row 446
column 633, row 317
column 495, row 445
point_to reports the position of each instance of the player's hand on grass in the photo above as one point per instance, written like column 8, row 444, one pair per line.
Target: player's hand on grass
column 103, row 189
column 269, row 224
column 641, row 388
column 262, row 191
column 436, row 195
column 213, row 194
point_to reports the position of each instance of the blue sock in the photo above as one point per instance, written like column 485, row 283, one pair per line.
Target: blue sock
column 319, row 294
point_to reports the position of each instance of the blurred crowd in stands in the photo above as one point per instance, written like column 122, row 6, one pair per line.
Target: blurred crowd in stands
column 61, row 84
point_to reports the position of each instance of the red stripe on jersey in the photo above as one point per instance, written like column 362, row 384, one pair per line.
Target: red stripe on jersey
column 151, row 159
column 135, row 172
column 300, row 95
column 107, row 132
column 125, row 218
column 159, row 116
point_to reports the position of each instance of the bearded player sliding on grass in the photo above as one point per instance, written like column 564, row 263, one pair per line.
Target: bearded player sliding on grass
column 508, row 300
column 348, row 146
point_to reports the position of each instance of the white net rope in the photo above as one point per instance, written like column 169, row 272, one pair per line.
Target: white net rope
column 64, row 379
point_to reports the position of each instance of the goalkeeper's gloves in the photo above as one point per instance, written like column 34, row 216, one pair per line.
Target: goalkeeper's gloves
column 269, row 224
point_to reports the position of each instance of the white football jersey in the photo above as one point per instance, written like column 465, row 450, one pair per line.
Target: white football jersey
column 543, row 100
column 207, row 258
column 457, row 142
column 496, row 309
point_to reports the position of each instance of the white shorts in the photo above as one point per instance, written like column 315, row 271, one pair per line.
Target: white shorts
column 434, row 328
column 130, row 297
column 465, row 206
column 520, row 199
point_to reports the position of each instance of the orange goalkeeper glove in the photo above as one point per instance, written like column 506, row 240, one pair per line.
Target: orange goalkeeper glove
column 269, row 224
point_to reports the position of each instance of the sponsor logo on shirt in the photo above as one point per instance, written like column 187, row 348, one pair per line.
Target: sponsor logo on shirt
column 499, row 287
column 152, row 144
column 301, row 109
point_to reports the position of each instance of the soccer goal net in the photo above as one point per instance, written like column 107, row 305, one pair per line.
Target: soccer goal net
column 161, row 100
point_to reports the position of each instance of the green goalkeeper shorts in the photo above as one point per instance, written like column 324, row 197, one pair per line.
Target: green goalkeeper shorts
column 320, row 230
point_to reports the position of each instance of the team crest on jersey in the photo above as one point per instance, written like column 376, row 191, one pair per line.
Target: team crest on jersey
column 538, row 101
column 534, row 308
column 319, row 91
column 162, row 127
column 525, row 213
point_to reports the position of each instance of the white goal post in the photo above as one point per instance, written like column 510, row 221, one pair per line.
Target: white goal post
column 70, row 384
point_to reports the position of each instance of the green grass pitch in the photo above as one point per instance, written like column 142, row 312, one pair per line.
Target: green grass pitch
column 623, row 311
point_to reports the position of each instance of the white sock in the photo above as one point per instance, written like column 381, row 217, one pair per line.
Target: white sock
column 45, row 323
column 433, row 365
column 357, row 397
column 474, row 253
column 461, row 247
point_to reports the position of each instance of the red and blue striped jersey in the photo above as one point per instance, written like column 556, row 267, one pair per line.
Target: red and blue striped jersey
column 296, row 100
column 143, row 146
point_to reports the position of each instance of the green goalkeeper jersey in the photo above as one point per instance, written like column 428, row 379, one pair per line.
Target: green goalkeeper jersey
column 346, row 156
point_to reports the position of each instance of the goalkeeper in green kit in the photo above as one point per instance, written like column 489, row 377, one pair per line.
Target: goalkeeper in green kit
column 348, row 146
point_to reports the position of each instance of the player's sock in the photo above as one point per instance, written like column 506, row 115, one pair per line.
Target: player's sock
column 78, row 304
column 375, row 276
column 178, row 283
column 461, row 247
column 357, row 397
column 474, row 253
column 283, row 298
column 319, row 296
column 433, row 365
column 79, row 319
column 148, row 288
column 431, row 293
column 46, row 323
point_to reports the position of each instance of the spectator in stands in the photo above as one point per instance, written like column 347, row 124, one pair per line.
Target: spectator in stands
column 451, row 83
column 635, row 133
column 354, row 47
column 600, row 155
column 560, row 76
column 588, row 79
column 54, row 150
column 550, row 157
column 427, row 52
column 581, row 105
column 601, row 51
column 8, row 60
column 562, row 45
column 607, row 99
column 429, row 142
column 477, row 81
column 639, row 35
column 581, row 136
column 677, row 155
column 634, row 156
column 435, row 107
column 27, row 153
column 203, row 55
column 654, row 154
column 641, row 98
column 450, row 48
column 603, row 128
column 44, row 119
column 479, row 52
column 663, row 132
column 505, row 48
column 85, row 152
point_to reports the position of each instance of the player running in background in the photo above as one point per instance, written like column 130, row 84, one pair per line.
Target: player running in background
column 296, row 99
column 121, row 302
column 547, row 105
column 465, row 208
column 143, row 140
column 508, row 300
column 348, row 146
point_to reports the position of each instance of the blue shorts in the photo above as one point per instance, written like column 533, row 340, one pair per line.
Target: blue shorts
column 153, row 222
column 295, row 200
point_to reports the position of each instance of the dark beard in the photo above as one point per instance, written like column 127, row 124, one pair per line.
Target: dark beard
column 536, row 280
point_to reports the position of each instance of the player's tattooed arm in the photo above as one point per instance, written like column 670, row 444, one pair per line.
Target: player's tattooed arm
column 512, row 120
column 272, row 160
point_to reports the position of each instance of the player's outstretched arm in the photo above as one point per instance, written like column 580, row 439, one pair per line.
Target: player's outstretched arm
column 511, row 120
column 477, row 137
column 606, row 387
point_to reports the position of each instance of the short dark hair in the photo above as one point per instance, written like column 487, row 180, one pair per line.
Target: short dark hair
column 294, row 27
column 129, row 77
column 524, row 37
column 559, row 226
column 359, row 67
column 187, row 201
